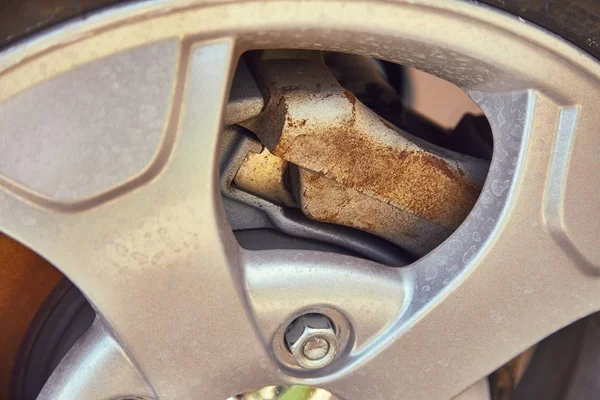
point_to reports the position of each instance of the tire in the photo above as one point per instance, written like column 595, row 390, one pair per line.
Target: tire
column 63, row 318
column 577, row 21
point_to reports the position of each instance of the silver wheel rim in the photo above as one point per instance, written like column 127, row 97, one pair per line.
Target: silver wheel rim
column 184, row 312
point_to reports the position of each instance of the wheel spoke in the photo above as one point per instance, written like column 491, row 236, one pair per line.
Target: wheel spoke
column 156, row 257
column 284, row 283
column 108, row 373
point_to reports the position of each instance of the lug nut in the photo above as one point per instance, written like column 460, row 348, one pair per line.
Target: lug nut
column 312, row 340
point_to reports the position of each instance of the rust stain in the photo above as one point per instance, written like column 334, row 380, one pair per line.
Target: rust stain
column 350, row 96
column 440, row 165
column 325, row 200
column 414, row 181
column 290, row 88
column 293, row 123
column 352, row 149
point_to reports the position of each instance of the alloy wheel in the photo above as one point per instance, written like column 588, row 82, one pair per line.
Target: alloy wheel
column 118, row 187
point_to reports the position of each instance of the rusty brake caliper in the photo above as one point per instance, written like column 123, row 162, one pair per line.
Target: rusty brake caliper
column 351, row 167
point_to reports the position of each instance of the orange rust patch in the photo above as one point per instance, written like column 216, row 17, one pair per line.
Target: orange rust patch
column 414, row 181
column 328, row 201
column 319, row 191
column 293, row 123
column 355, row 149
column 350, row 96
column 439, row 164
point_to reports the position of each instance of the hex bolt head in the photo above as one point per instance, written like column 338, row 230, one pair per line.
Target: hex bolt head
column 312, row 340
